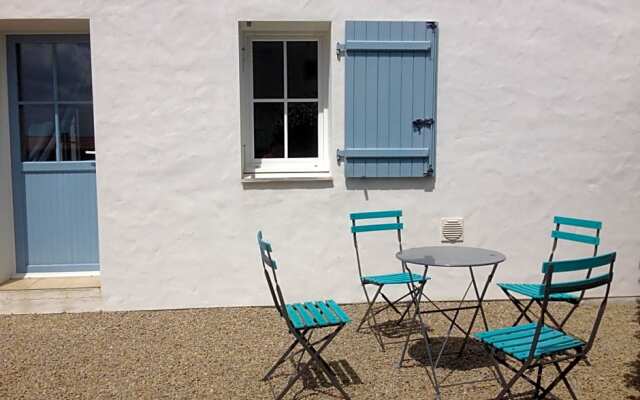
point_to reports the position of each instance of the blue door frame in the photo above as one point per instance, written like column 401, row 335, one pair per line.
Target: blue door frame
column 54, row 202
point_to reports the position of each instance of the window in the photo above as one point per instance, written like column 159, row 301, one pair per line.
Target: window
column 285, row 111
column 55, row 110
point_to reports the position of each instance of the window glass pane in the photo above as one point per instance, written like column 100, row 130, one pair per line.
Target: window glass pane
column 35, row 72
column 302, row 120
column 268, row 70
column 268, row 130
column 37, row 136
column 76, row 132
column 73, row 67
column 302, row 70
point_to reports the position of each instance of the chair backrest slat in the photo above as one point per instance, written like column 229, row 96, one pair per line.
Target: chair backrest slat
column 376, row 227
column 578, row 286
column 576, row 237
column 375, row 214
column 582, row 223
column 579, row 264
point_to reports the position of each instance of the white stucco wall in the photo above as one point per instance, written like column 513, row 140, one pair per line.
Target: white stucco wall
column 537, row 116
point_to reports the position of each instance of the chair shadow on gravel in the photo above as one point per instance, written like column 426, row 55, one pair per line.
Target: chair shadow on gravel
column 632, row 379
column 315, row 380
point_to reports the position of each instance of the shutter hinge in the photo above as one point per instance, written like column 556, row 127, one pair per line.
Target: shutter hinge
column 341, row 50
column 432, row 24
column 340, row 156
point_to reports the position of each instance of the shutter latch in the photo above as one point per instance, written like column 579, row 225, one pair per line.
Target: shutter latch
column 422, row 123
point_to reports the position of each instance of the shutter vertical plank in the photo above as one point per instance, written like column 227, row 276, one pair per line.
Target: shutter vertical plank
column 371, row 99
column 382, row 166
column 419, row 95
column 349, row 118
column 406, row 100
column 395, row 89
column 360, row 99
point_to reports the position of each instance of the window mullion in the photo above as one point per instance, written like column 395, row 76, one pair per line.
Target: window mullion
column 56, row 118
column 286, row 105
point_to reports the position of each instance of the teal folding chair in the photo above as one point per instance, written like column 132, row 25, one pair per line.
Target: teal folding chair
column 533, row 291
column 302, row 320
column 414, row 282
column 536, row 345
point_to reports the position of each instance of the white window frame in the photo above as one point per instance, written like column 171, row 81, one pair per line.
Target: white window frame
column 274, row 167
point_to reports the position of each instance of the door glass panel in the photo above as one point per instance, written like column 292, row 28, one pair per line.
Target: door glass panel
column 302, row 70
column 73, row 68
column 37, row 133
column 35, row 72
column 268, row 130
column 268, row 70
column 302, row 121
column 76, row 132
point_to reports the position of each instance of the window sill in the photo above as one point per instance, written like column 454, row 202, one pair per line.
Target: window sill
column 287, row 177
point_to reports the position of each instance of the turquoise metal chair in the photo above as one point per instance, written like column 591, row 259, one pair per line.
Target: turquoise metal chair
column 533, row 291
column 302, row 320
column 414, row 282
column 536, row 345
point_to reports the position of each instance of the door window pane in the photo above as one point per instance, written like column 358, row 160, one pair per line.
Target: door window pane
column 37, row 133
column 73, row 67
column 76, row 132
column 268, row 129
column 268, row 70
column 302, row 121
column 302, row 70
column 35, row 72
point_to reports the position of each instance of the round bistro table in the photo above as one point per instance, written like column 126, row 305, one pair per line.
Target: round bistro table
column 461, row 257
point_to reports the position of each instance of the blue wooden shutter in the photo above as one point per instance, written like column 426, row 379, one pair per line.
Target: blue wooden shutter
column 390, row 104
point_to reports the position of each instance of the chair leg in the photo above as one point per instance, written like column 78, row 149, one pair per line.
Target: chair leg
column 315, row 355
column 523, row 310
column 371, row 302
column 280, row 360
column 390, row 303
column 496, row 366
column 317, row 359
column 507, row 388
column 538, row 381
column 561, row 377
column 566, row 382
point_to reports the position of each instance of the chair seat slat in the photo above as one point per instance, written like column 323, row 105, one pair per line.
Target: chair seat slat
column 338, row 311
column 294, row 317
column 328, row 314
column 517, row 340
column 317, row 315
column 535, row 291
column 306, row 317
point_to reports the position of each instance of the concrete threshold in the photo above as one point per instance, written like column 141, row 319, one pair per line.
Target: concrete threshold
column 50, row 295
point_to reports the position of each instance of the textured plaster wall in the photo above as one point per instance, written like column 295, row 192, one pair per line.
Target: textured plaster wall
column 7, row 248
column 537, row 115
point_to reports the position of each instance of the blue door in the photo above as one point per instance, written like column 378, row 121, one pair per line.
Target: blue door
column 53, row 154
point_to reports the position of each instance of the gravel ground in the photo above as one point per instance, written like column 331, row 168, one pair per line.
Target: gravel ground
column 222, row 354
